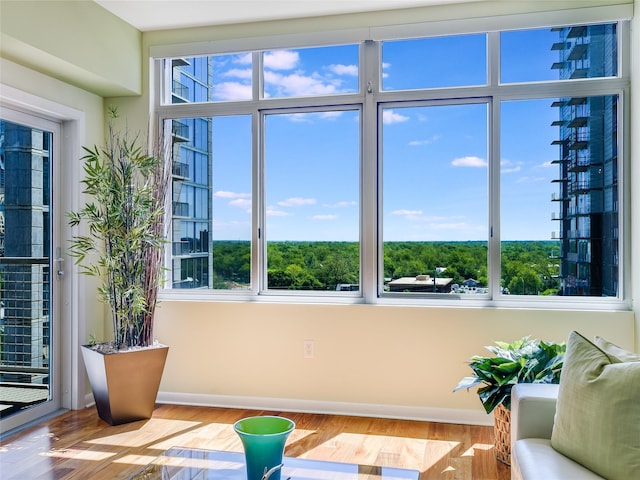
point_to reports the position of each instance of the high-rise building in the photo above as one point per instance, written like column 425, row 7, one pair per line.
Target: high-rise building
column 192, row 178
column 588, row 164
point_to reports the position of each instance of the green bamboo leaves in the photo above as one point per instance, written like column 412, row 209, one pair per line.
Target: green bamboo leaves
column 125, row 217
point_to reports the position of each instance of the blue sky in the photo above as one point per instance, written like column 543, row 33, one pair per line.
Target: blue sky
column 435, row 157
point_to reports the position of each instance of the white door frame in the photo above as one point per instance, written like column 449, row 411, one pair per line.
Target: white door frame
column 70, row 371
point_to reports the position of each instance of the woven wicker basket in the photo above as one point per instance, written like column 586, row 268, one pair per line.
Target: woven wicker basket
column 502, row 433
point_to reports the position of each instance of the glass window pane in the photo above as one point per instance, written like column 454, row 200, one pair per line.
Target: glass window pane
column 312, row 200
column 559, row 196
column 26, row 156
column 560, row 53
column 212, row 203
column 452, row 61
column 215, row 78
column 232, row 202
column 435, row 199
column 311, row 71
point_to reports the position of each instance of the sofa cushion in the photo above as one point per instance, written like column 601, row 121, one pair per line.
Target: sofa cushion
column 534, row 458
column 619, row 354
column 597, row 420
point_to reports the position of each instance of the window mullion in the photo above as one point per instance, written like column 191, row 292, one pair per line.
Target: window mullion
column 493, row 255
column 369, row 213
column 493, row 122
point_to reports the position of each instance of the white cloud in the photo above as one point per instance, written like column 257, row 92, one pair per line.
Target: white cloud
column 429, row 141
column 243, row 59
column 389, row 117
column 329, row 115
column 340, row 204
column 310, row 117
column 225, row 194
column 245, row 73
column 386, row 65
column 281, row 60
column 547, row 165
column 297, row 85
column 470, row 161
column 511, row 169
column 324, row 217
column 240, row 203
column 297, row 202
column 339, row 69
column 406, row 212
column 508, row 166
column 232, row 91
column 273, row 212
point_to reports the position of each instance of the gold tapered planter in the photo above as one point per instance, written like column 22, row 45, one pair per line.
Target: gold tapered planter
column 125, row 384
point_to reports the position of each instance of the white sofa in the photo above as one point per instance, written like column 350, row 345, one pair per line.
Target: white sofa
column 533, row 407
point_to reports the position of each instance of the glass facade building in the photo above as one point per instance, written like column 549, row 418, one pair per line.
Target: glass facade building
column 588, row 164
column 192, row 182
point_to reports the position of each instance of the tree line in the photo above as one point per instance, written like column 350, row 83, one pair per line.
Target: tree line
column 528, row 267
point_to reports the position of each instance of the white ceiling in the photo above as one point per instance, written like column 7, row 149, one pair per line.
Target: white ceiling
column 148, row 15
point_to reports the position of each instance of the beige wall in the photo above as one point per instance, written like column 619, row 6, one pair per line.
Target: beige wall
column 365, row 355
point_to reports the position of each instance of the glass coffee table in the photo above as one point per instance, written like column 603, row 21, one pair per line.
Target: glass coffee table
column 194, row 464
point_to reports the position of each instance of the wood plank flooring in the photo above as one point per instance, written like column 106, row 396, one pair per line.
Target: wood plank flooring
column 78, row 445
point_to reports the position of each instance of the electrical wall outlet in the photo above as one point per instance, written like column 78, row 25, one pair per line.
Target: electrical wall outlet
column 308, row 349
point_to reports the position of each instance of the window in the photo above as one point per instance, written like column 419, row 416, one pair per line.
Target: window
column 435, row 214
column 452, row 168
column 434, row 62
column 310, row 71
column 312, row 221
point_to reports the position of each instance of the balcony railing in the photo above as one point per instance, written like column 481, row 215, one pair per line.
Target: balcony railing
column 180, row 169
column 180, row 90
column 24, row 332
column 180, row 209
column 180, row 131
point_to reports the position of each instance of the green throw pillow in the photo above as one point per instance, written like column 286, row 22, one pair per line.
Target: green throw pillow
column 618, row 353
column 597, row 422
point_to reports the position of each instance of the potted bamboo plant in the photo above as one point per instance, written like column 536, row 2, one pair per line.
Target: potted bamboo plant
column 126, row 188
column 522, row 361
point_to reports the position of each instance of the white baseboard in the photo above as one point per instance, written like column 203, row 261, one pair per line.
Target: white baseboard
column 442, row 415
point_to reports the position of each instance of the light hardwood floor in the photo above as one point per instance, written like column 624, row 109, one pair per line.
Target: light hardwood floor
column 78, row 445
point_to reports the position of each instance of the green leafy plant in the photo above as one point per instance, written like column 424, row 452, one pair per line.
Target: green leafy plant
column 125, row 216
column 522, row 361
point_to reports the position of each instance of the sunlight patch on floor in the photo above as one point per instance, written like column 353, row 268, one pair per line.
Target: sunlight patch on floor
column 76, row 454
column 151, row 431
column 476, row 446
column 400, row 452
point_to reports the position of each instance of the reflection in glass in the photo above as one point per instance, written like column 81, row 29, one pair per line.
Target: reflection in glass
column 25, row 232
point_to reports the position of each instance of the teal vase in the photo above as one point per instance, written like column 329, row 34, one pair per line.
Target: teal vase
column 263, row 439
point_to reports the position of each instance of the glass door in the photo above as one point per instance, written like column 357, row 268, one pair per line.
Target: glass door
column 28, row 323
